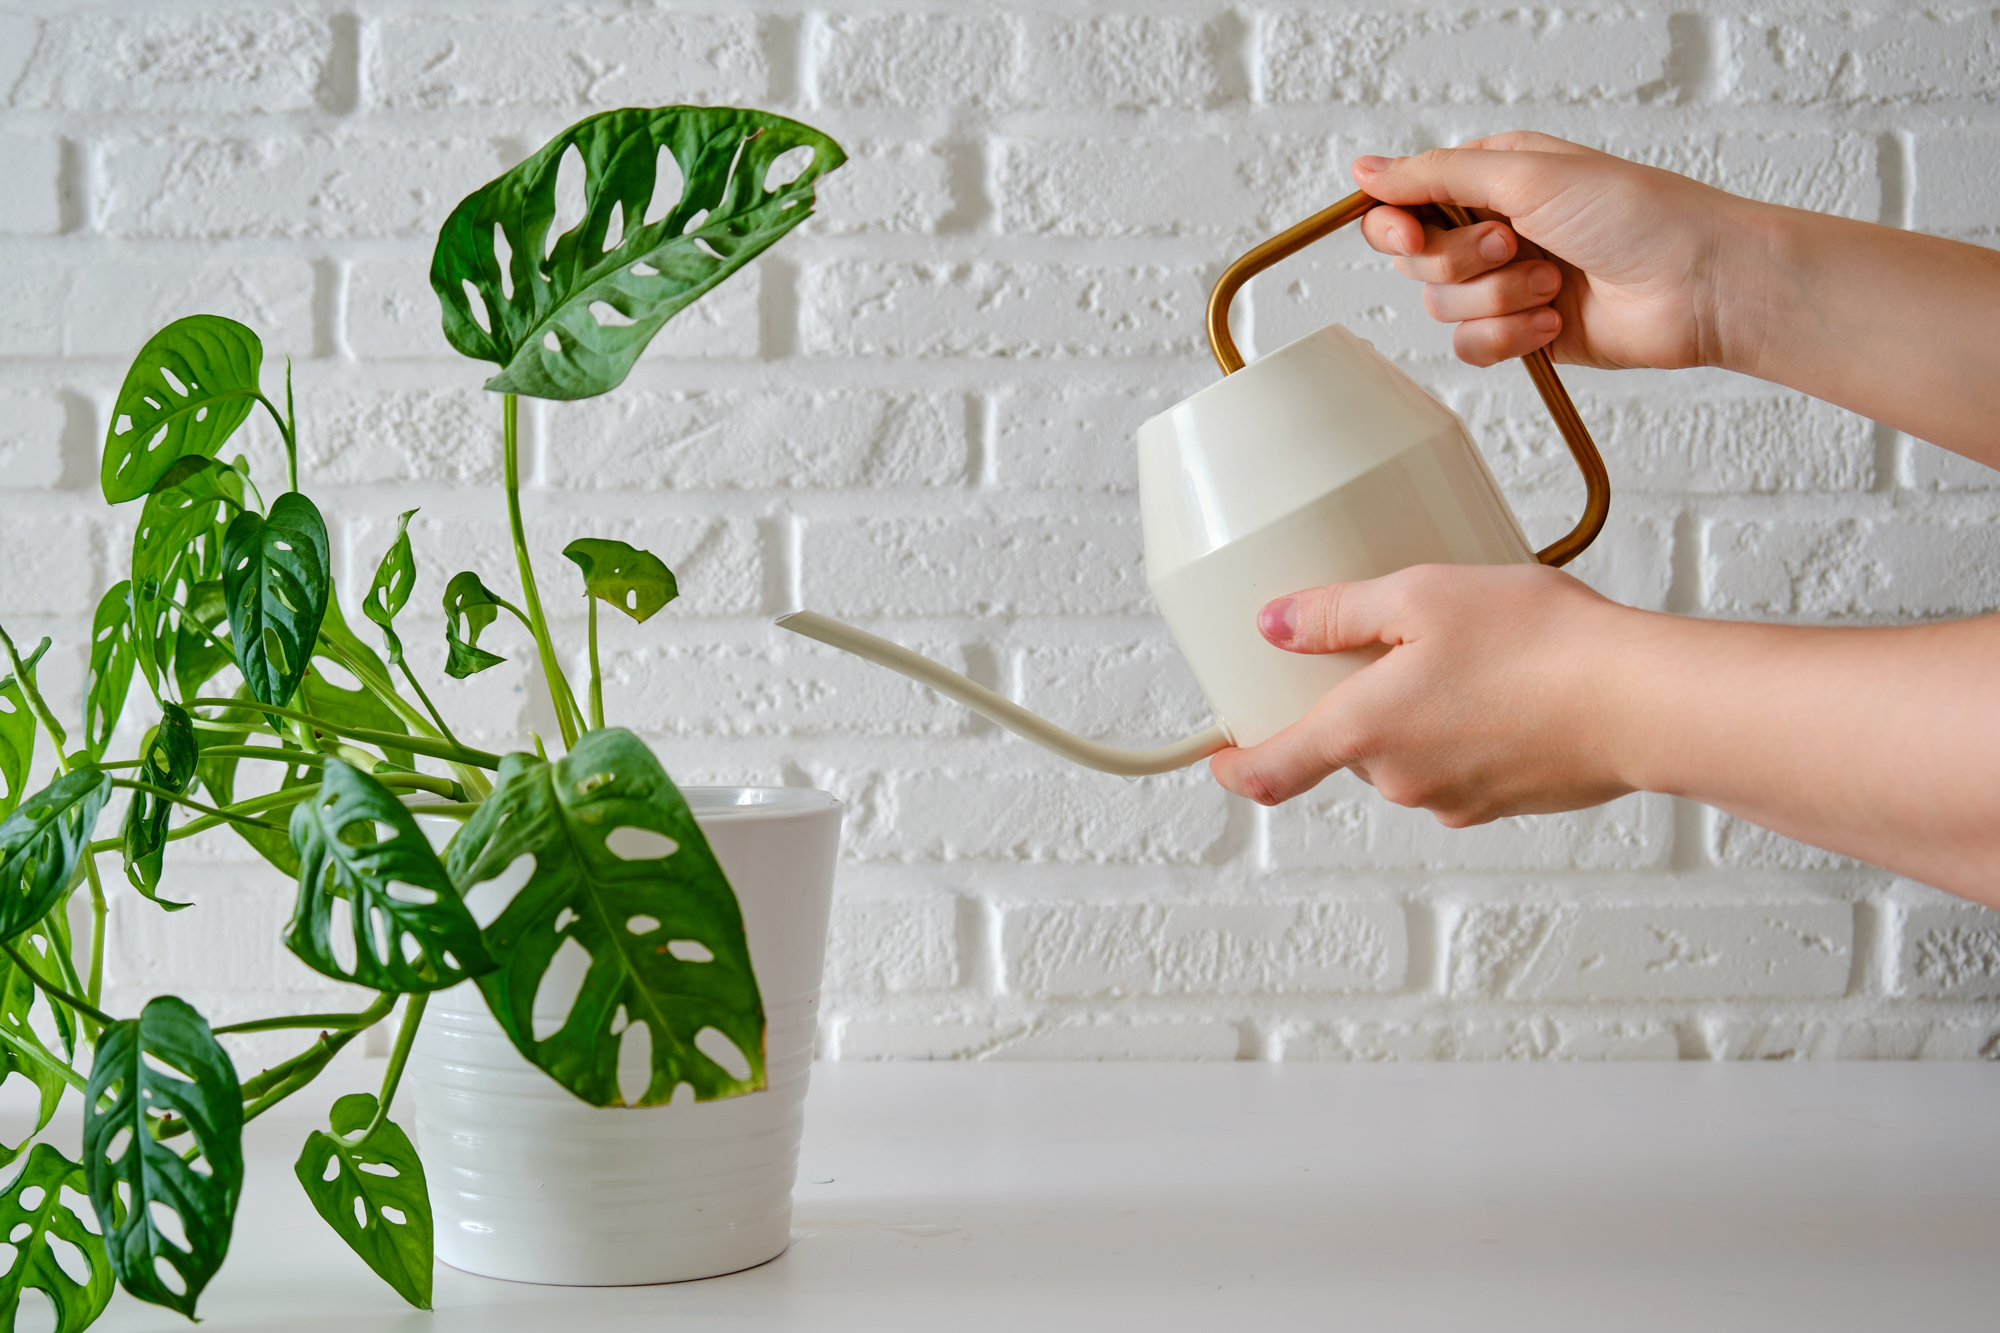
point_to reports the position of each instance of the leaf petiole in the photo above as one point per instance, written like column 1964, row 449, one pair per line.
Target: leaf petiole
column 423, row 745
column 596, row 676
column 163, row 794
column 326, row 1022
column 406, row 1035
column 55, row 992
column 567, row 717
column 35, row 1055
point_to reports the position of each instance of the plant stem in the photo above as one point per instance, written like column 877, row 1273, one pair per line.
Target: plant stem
column 209, row 810
column 94, row 987
column 413, row 1014
column 429, row 707
column 35, row 1055
column 463, row 754
column 290, row 758
column 36, row 704
column 270, row 800
column 285, row 431
column 55, row 992
column 564, row 701
column 188, row 618
column 596, row 676
column 326, row 1022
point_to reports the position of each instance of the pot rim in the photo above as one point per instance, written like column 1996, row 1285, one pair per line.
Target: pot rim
column 751, row 802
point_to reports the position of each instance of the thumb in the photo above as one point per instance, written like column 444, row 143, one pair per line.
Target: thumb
column 1513, row 183
column 1331, row 619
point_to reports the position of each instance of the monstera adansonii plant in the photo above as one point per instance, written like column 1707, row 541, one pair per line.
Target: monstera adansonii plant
column 229, row 616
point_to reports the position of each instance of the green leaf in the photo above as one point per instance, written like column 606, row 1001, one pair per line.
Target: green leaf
column 277, row 579
column 17, row 1001
column 168, row 760
column 373, row 1195
column 394, row 578
column 627, row 914
column 130, row 1170
column 571, row 314
column 636, row 582
column 191, row 386
column 197, row 656
column 35, row 1201
column 17, row 733
column 177, row 547
column 358, row 845
column 468, row 609
column 111, row 662
column 41, row 843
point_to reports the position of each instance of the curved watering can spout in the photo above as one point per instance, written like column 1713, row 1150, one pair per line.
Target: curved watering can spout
column 1027, row 725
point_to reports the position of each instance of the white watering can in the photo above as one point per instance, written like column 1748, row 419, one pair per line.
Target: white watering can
column 1319, row 463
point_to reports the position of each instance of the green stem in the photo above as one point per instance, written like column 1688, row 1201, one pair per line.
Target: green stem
column 36, row 704
column 429, row 707
column 98, row 911
column 463, row 754
column 559, row 694
column 325, row 1022
column 209, row 810
column 55, row 992
column 290, row 758
column 413, row 1014
column 285, row 430
column 444, row 809
column 188, row 618
column 596, row 676
column 270, row 800
column 34, row 1054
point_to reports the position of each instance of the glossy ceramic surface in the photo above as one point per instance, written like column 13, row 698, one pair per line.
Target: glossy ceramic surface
column 528, row 1183
column 1319, row 463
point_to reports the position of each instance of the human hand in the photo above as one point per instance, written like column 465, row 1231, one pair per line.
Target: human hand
column 1606, row 262
column 1486, row 704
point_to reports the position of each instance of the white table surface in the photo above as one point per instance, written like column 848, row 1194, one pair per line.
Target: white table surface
column 1215, row 1197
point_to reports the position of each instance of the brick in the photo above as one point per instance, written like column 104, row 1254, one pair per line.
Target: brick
column 913, row 60
column 31, row 441
column 571, row 61
column 110, row 308
column 1202, row 948
column 1650, row 951
column 1541, row 1038
column 248, row 61
column 1125, row 61
column 392, row 314
column 1761, row 444
column 295, row 188
column 681, row 441
column 1854, row 569
column 869, row 308
column 1492, row 57
column 1108, row 1039
column 1930, row 468
column 1950, row 950
column 1955, row 193
column 1343, row 823
column 973, row 565
column 1738, row 842
column 1139, row 693
column 33, row 201
column 891, row 187
column 51, row 563
column 1846, row 1039
column 1075, row 439
column 778, row 686
column 879, row 946
column 350, row 437
column 1809, row 58
column 1212, row 185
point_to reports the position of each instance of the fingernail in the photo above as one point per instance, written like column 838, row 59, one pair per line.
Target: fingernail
column 1371, row 164
column 1397, row 245
column 1494, row 244
column 1279, row 620
column 1544, row 281
column 1545, row 321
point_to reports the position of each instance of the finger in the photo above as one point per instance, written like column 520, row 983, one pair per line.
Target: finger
column 1391, row 231
column 1333, row 619
column 1504, row 291
column 1488, row 342
column 1292, row 762
column 1459, row 254
column 1532, row 141
column 1513, row 183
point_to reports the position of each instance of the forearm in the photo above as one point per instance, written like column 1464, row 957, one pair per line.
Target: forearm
column 1883, row 744
column 1898, row 326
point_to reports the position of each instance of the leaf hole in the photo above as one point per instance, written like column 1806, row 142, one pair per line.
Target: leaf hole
column 77, row 1203
column 340, row 935
column 476, row 304
column 159, row 438
column 377, row 1169
column 628, row 842
column 410, row 948
column 644, row 270
column 335, row 674
column 170, row 1277
column 35, row 1312
column 503, row 256
column 8, row 1254
column 614, row 226
column 714, row 1044
column 162, row 1068
column 642, row 924
column 553, row 343
column 394, row 1215
column 201, row 414
column 555, row 994
column 690, row 951
column 19, row 1233
column 487, row 899
column 668, row 185
column 572, row 198
column 122, row 425
column 173, row 382
column 694, row 223
column 360, row 1213
column 332, row 1171
column 620, row 1021
column 114, row 1151
column 69, row 1257
column 787, row 167
column 31, row 1197
column 412, row 893
column 378, row 923
column 167, row 1222
column 635, row 1063
column 609, row 316
column 563, row 919
column 707, row 249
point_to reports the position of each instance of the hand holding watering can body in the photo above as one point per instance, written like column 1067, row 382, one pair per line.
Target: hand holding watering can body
column 1351, row 590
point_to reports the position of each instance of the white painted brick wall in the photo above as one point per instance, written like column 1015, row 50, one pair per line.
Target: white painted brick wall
column 918, row 411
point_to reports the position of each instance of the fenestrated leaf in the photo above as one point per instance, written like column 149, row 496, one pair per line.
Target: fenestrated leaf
column 394, row 577
column 636, row 582
column 373, row 1195
column 129, row 1092
column 277, row 580
column 168, row 760
column 198, row 657
column 111, row 662
column 468, row 609
column 573, row 312
column 31, row 1212
column 190, row 387
column 41, row 843
column 18, row 995
column 625, row 913
column 177, row 547
column 409, row 930
column 17, row 733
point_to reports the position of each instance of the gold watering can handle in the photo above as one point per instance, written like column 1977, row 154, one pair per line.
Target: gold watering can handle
column 1540, row 368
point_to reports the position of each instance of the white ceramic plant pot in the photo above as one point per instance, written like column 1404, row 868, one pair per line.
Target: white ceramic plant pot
column 530, row 1184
